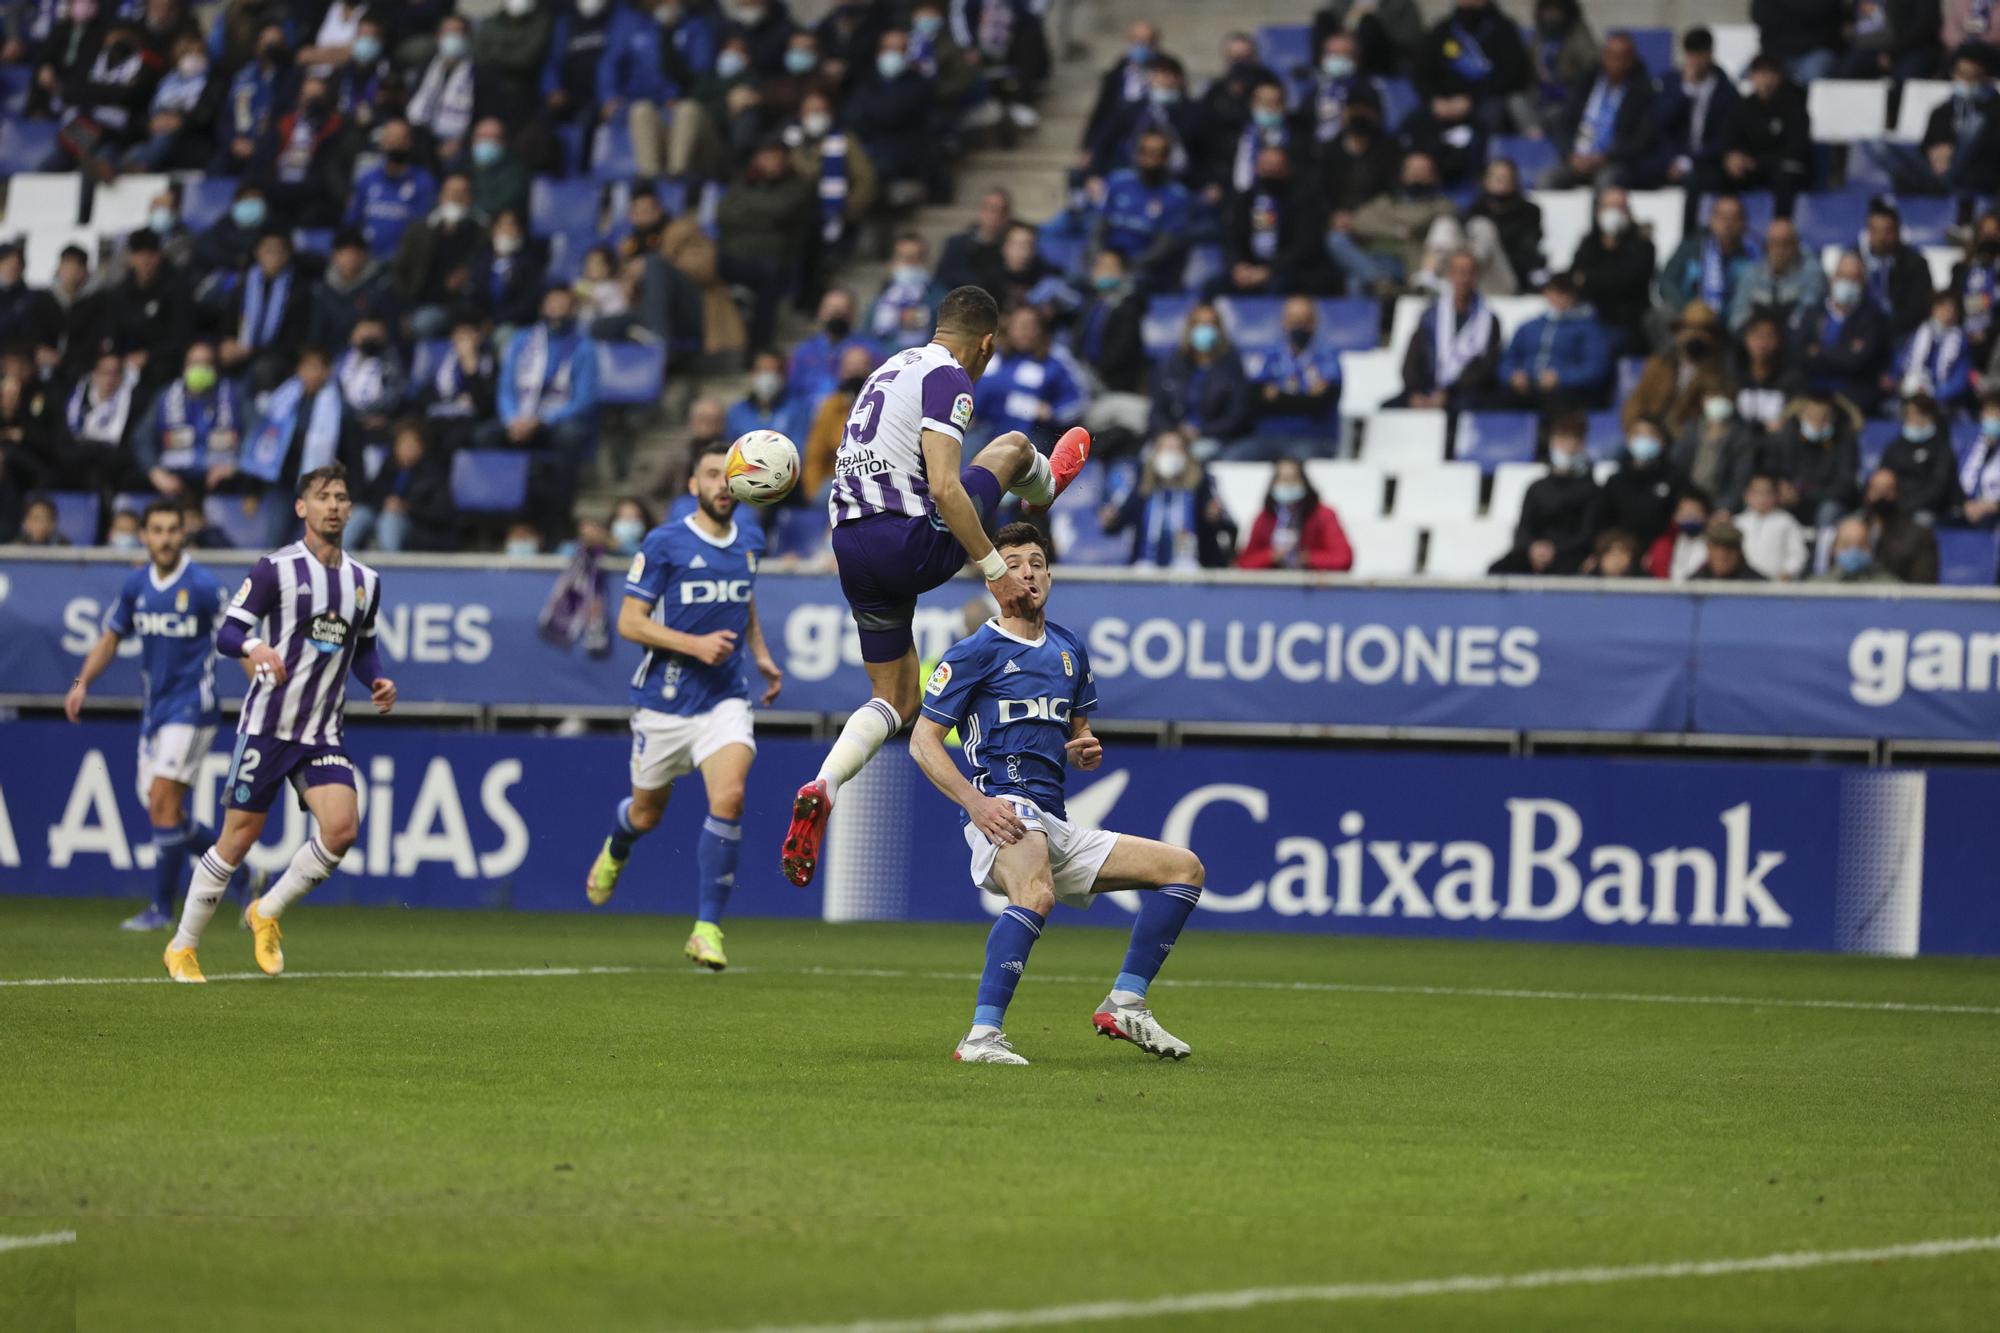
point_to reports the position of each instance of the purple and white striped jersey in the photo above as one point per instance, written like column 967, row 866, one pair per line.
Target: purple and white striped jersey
column 880, row 469
column 318, row 619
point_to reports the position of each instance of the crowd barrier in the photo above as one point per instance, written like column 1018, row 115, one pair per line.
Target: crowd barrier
column 1641, row 851
column 1572, row 656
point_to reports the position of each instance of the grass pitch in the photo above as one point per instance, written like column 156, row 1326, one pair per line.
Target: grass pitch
column 661, row 1149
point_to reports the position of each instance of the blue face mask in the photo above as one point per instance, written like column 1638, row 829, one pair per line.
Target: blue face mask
column 800, row 61
column 1853, row 560
column 367, row 49
column 1138, row 53
column 930, row 25
column 1267, row 119
column 1919, row 433
column 487, row 153
column 1288, row 493
column 1204, row 337
column 730, row 64
column 1817, row 434
column 1846, row 291
column 454, row 46
column 626, row 533
column 1643, row 448
column 1990, row 427
column 1108, row 282
column 1337, row 67
column 520, row 547
column 1163, row 96
column 247, row 213
column 891, row 64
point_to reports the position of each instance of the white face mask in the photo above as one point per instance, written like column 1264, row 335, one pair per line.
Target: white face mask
column 1610, row 221
column 453, row 214
column 506, row 243
column 193, row 66
column 520, row 9
column 1718, row 410
column 765, row 385
column 1169, row 466
column 816, row 123
column 590, row 9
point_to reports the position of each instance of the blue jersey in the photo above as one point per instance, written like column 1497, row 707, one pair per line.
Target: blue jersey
column 1012, row 700
column 175, row 619
column 696, row 584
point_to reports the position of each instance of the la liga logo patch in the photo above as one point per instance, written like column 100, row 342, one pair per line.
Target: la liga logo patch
column 961, row 411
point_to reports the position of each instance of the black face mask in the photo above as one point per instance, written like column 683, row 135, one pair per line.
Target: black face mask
column 118, row 51
column 396, row 157
column 1300, row 339
column 839, row 327
column 559, row 327
column 371, row 347
column 1884, row 509
column 853, row 384
column 1153, row 176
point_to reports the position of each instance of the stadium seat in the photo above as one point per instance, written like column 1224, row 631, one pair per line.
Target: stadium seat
column 1403, row 321
column 1430, row 496
column 1350, row 323
column 1630, row 368
column 1967, row 557
column 236, row 518
column 313, row 241
column 1285, row 47
column 1864, row 173
column 1532, row 156
column 1241, row 488
column 1964, row 438
column 44, row 250
column 1353, row 488
column 566, row 252
column 1659, row 213
column 1736, row 45
column 1252, row 321
column 489, row 481
column 563, row 206
column 25, row 145
column 1369, row 379
column 1926, row 218
column 1166, row 319
column 1205, row 263
column 800, row 530
column 1399, row 439
column 125, row 204
column 1492, row 438
column 132, row 502
column 1920, row 98
column 1943, row 259
column 373, row 456
column 1606, row 439
column 1830, row 217
column 1384, row 548
column 1080, row 539
column 1514, row 311
column 77, row 514
column 1510, row 486
column 1399, row 101
column 1847, row 110
column 15, row 82
column 1566, row 221
column 1467, row 550
column 205, row 199
column 1876, row 437
column 611, row 152
column 1656, row 49
column 570, row 139
column 425, row 358
column 631, row 374
column 1066, row 253
column 43, row 201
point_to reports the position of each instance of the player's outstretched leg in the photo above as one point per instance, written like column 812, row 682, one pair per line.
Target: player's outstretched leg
column 638, row 815
column 1021, row 868
column 866, row 730
column 205, row 889
column 1174, row 877
column 337, row 815
column 1026, row 474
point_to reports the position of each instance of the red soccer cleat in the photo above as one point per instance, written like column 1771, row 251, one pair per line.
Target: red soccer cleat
column 809, row 811
column 1072, row 451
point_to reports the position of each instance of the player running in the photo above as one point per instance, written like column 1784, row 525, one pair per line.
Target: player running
column 173, row 605
column 1020, row 692
column 906, row 518
column 317, row 606
column 688, row 603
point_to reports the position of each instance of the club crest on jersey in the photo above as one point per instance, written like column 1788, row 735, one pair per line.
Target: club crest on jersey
column 181, row 600
column 327, row 632
column 939, row 679
column 961, row 411
column 1069, row 667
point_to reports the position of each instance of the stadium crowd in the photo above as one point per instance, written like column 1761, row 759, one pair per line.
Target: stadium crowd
column 1496, row 291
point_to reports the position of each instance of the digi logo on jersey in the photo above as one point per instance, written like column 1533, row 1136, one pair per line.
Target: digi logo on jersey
column 1033, row 710
column 164, row 624
column 708, row 592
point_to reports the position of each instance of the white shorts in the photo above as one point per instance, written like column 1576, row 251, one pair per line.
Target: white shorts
column 174, row 752
column 1075, row 855
column 666, row 746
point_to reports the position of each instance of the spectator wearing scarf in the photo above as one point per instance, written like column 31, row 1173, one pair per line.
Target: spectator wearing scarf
column 181, row 115
column 1175, row 520
column 298, row 164
column 906, row 309
column 1898, row 278
column 842, row 170
column 301, row 428
column 1843, row 344
column 249, row 104
column 196, row 429
column 100, row 418
column 1611, row 128
column 272, row 307
column 1710, row 264
column 447, row 96
column 1322, row 112
column 1265, row 128
column 548, row 403
column 464, row 389
column 370, row 377
column 1453, row 360
column 1937, row 360
column 1976, row 279
column 1477, row 51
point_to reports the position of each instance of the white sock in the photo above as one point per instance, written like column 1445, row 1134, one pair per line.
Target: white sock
column 1126, row 999
column 310, row 866
column 981, row 1030
column 1039, row 486
column 868, row 727
column 205, row 889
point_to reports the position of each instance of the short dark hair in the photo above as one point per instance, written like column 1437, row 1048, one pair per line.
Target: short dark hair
column 1571, row 425
column 1024, row 534
column 1926, row 404
column 1697, row 40
column 161, row 505
column 321, row 476
column 971, row 311
column 721, row 447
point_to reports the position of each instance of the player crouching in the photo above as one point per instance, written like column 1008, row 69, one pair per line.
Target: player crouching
column 1020, row 690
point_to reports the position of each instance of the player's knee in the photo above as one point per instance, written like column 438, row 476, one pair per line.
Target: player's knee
column 163, row 806
column 1189, row 869
column 338, row 834
column 1038, row 897
column 644, row 816
column 726, row 803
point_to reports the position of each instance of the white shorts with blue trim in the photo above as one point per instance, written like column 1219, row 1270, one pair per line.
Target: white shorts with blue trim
column 1075, row 855
column 174, row 752
column 666, row 746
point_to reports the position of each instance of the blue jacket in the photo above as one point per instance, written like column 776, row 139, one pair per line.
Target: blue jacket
column 815, row 368
column 579, row 351
column 384, row 206
column 1136, row 215
column 1215, row 400
column 1577, row 349
column 1014, row 387
column 790, row 416
column 632, row 68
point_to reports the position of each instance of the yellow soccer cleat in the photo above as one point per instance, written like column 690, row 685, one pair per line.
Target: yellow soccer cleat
column 266, row 937
column 181, row 966
column 603, row 879
column 705, row 946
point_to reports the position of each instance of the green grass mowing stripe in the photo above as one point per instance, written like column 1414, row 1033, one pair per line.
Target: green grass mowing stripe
column 1471, row 1284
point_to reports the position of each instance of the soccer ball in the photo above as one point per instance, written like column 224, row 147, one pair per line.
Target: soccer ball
column 763, row 467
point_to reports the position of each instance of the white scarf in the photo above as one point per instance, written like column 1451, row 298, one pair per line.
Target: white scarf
column 1979, row 475
column 360, row 378
column 531, row 374
column 443, row 103
column 1917, row 378
column 1457, row 349
column 102, row 421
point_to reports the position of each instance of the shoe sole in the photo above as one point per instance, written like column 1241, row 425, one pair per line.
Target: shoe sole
column 1107, row 1026
column 801, row 850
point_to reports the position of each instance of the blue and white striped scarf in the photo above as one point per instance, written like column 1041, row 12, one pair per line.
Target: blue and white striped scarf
column 179, row 92
column 191, row 423
column 833, row 186
column 264, row 307
column 264, row 457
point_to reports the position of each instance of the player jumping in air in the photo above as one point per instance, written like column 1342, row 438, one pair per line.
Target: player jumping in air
column 907, row 517
column 173, row 605
column 688, row 603
column 303, row 619
column 1020, row 692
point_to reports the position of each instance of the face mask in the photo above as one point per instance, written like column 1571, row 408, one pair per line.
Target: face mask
column 1643, row 448
column 910, row 275
column 454, row 46
column 451, row 214
column 124, row 541
column 731, row 64
column 1168, row 466
column 1337, row 67
column 891, row 64
column 816, row 124
column 520, row 9
column 1288, row 493
column 118, row 51
column 247, row 213
column 193, row 67
column 161, row 219
column 487, row 152
column 367, row 49
column 765, row 386
column 1164, row 96
column 626, row 533
column 200, row 379
column 1138, row 53
column 1817, row 434
column 519, row 547
column 1610, row 221
column 1846, row 291
column 1267, row 119
column 800, row 61
column 1106, row 282
column 853, row 383
column 668, row 15
column 370, row 346
column 1154, row 177
column 1563, row 461
column 928, row 25
column 561, row 325
column 506, row 243
column 1718, row 410
column 1919, row 432
column 1853, row 560
column 1990, row 427
column 1968, row 91
column 839, row 327
column 1203, row 337
column 396, row 157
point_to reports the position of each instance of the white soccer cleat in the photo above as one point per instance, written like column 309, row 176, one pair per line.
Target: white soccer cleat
column 991, row 1049
column 1136, row 1024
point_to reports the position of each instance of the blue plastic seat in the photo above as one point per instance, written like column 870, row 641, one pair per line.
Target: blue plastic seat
column 205, row 199
column 1166, row 320
column 1399, row 101
column 15, row 81
column 631, row 373
column 566, row 252
column 1350, row 323
column 1252, row 321
column 1925, row 217
column 1492, row 438
column 563, row 206
column 425, row 358
column 489, row 481
column 132, row 502
column 798, row 530
column 1630, row 368
column 233, row 517
column 611, row 152
column 1655, row 47
column 1532, row 156
column 1876, row 437
column 1964, row 438
column 1830, row 217
column 1285, row 46
column 1606, row 438
column 25, row 145
column 313, row 241
column 1205, row 263
column 1968, row 557
column 77, row 514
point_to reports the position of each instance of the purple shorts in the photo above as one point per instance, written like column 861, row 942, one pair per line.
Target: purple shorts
column 262, row 764
column 886, row 560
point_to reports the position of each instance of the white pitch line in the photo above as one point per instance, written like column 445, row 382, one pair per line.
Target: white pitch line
column 1470, row 1284
column 903, row 974
column 36, row 1242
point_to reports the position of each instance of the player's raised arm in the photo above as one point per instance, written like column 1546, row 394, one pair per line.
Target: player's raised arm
column 942, row 458
column 760, row 653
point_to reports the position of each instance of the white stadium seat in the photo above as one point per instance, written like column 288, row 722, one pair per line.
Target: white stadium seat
column 1920, row 98
column 1354, row 489
column 1659, row 212
column 1736, row 45
column 1510, row 486
column 1447, row 493
column 1514, row 311
column 1241, row 488
column 1565, row 222
column 1383, row 548
column 1467, row 550
column 1403, row 324
column 43, row 201
column 1369, row 379
column 44, row 246
column 1402, row 438
column 1829, row 257
column 124, row 204
column 1847, row 110
column 1942, row 259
